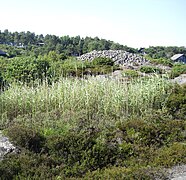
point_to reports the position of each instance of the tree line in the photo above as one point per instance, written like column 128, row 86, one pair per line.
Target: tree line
column 70, row 46
column 164, row 52
column 28, row 43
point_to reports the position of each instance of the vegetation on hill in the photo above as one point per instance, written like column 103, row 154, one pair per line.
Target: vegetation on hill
column 158, row 52
column 163, row 61
column 50, row 67
column 93, row 128
column 177, row 70
column 69, row 123
column 29, row 43
column 150, row 69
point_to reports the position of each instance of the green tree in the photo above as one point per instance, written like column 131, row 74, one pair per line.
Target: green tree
column 26, row 69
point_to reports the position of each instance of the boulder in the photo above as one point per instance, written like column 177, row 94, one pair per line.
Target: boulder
column 6, row 146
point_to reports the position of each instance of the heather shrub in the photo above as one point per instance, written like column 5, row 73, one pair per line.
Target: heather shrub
column 130, row 73
column 176, row 103
column 25, row 137
column 150, row 69
column 177, row 70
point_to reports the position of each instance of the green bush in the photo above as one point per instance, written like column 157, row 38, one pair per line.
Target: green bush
column 27, row 165
column 26, row 69
column 163, row 61
column 152, row 133
column 170, row 155
column 79, row 129
column 130, row 73
column 2, row 82
column 81, row 152
column 178, row 70
column 25, row 137
column 135, row 173
column 150, row 69
column 3, row 64
column 126, row 150
column 176, row 102
column 76, row 68
column 102, row 61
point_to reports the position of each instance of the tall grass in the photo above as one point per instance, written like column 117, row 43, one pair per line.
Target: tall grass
column 90, row 98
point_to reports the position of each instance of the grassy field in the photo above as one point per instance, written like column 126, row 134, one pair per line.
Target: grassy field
column 92, row 97
column 94, row 128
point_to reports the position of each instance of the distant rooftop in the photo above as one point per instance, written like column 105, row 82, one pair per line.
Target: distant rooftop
column 2, row 52
column 176, row 56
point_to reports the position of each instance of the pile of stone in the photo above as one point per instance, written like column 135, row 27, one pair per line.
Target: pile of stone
column 120, row 57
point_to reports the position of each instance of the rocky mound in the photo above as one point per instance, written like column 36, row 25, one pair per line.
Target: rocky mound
column 118, row 56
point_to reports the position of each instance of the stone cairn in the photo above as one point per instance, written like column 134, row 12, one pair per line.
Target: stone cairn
column 120, row 57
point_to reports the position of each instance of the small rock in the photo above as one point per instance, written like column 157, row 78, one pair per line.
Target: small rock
column 6, row 146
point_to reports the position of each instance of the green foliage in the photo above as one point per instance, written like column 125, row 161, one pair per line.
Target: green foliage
column 152, row 133
column 3, row 64
column 102, row 65
column 52, row 56
column 26, row 69
column 28, row 43
column 163, row 61
column 76, row 68
column 150, row 69
column 130, row 73
column 158, row 52
column 52, row 67
column 125, row 150
column 26, row 137
column 2, row 81
column 91, row 97
column 70, row 128
column 176, row 103
column 178, row 70
column 11, row 50
column 102, row 61
column 170, row 155
column 135, row 173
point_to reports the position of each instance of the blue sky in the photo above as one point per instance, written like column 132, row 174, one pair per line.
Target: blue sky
column 135, row 23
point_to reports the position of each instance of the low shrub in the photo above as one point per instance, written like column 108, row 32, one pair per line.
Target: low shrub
column 130, row 73
column 178, row 70
column 170, row 155
column 152, row 133
column 75, row 68
column 176, row 103
column 124, row 151
column 27, row 165
column 163, row 61
column 62, row 144
column 25, row 137
column 102, row 61
column 26, row 69
column 135, row 173
column 150, row 69
column 82, row 152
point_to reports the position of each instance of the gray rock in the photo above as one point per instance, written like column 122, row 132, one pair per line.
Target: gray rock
column 177, row 173
column 6, row 146
column 180, row 79
column 120, row 57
